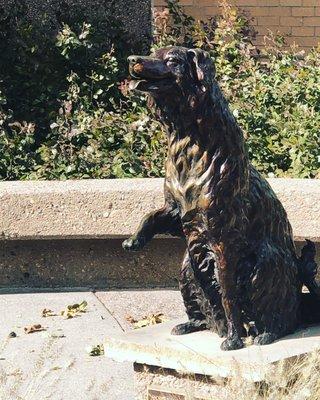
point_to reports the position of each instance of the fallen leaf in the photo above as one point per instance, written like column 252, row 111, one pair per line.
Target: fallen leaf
column 57, row 335
column 151, row 319
column 74, row 310
column 130, row 319
column 48, row 313
column 97, row 350
column 34, row 328
column 55, row 368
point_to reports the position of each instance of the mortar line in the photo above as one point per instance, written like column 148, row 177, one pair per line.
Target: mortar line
column 107, row 309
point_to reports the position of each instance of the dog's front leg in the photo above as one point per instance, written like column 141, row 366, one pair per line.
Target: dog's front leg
column 164, row 220
column 227, row 262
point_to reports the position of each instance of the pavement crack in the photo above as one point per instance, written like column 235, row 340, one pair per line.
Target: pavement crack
column 107, row 309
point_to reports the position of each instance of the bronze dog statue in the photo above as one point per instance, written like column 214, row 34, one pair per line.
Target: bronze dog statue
column 240, row 266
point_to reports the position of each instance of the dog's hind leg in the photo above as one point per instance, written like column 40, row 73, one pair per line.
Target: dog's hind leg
column 190, row 293
column 274, row 292
column 203, row 305
column 226, row 262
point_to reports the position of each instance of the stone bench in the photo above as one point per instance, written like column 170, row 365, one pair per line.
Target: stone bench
column 69, row 233
column 113, row 207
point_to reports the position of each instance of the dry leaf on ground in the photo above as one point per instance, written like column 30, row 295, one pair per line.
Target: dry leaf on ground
column 74, row 310
column 130, row 319
column 151, row 319
column 34, row 328
column 46, row 312
column 97, row 350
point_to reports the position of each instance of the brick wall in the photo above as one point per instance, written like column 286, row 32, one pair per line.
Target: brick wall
column 299, row 20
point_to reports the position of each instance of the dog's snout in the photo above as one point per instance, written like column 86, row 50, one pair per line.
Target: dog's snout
column 134, row 59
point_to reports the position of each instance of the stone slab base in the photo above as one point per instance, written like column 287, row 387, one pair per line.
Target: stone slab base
column 155, row 383
column 193, row 366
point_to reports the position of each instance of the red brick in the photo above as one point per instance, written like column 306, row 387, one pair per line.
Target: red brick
column 280, row 11
column 159, row 3
column 317, row 11
column 302, row 42
column 302, row 31
column 211, row 11
column 302, row 11
column 290, row 21
column 258, row 11
column 317, row 32
column 268, row 21
column 282, row 30
column 196, row 12
column 293, row 3
column 309, row 41
column 247, row 3
column 202, row 3
column 311, row 21
column 310, row 2
column 257, row 3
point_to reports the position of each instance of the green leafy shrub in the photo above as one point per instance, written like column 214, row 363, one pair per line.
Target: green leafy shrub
column 16, row 144
column 274, row 92
column 78, row 120
column 98, row 133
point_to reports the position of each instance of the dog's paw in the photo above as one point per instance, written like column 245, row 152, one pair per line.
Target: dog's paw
column 188, row 327
column 232, row 344
column 132, row 244
column 265, row 338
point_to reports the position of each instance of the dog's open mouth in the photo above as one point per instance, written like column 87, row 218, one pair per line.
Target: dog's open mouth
column 150, row 85
column 150, row 76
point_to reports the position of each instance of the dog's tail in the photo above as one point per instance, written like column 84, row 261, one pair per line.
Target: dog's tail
column 308, row 268
column 310, row 306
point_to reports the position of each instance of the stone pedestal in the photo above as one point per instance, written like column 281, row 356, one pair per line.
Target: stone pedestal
column 192, row 367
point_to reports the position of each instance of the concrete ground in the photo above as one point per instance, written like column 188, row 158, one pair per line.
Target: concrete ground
column 54, row 364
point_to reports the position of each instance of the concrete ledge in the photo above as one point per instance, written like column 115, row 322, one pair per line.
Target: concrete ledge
column 85, row 222
column 113, row 208
column 91, row 263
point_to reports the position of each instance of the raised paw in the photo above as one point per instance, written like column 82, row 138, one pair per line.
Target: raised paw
column 132, row 244
column 265, row 338
column 188, row 327
column 234, row 343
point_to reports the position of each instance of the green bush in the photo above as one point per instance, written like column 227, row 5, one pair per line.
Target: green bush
column 16, row 146
column 274, row 92
column 77, row 120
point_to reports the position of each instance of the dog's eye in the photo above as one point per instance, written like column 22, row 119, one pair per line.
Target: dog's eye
column 172, row 61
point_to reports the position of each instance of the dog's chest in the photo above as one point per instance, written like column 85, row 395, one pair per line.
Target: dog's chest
column 188, row 175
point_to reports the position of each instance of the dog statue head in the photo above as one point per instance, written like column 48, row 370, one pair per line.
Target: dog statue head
column 172, row 71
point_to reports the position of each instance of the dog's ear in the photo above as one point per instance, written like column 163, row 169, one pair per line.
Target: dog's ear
column 202, row 68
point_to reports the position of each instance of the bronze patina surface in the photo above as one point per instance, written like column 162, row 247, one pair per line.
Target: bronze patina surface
column 240, row 268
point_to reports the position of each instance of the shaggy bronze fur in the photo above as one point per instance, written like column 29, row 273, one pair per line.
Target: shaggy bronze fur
column 240, row 267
